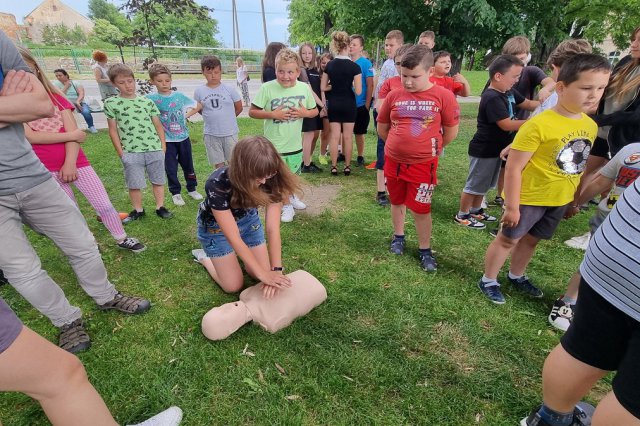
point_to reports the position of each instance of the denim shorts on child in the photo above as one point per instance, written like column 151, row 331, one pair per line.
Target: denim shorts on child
column 215, row 244
column 539, row 221
column 219, row 148
column 411, row 184
column 135, row 164
column 483, row 175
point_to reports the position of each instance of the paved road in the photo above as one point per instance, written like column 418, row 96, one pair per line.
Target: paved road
column 188, row 87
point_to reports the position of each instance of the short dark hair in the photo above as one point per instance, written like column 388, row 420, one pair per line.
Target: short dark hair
column 579, row 63
column 440, row 54
column 418, row 55
column 210, row 62
column 502, row 64
column 62, row 71
column 117, row 70
column 358, row 37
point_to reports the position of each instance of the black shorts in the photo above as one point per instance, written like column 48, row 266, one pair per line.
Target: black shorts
column 604, row 337
column 342, row 110
column 362, row 121
column 312, row 124
column 600, row 148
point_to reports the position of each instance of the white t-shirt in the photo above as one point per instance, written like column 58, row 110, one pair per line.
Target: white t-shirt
column 218, row 109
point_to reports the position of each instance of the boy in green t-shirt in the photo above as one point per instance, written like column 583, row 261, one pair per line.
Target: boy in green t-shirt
column 138, row 137
column 543, row 170
column 282, row 104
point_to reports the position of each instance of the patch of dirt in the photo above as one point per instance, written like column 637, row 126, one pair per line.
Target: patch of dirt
column 319, row 198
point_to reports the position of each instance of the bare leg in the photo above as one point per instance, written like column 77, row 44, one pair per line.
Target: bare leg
column 325, row 136
column 334, row 141
column 423, row 229
column 497, row 254
column 467, row 201
column 307, row 140
column 573, row 286
column 53, row 377
column 380, row 181
column 360, row 144
column 347, row 142
column 316, row 135
column 522, row 254
column 158, row 194
column 500, row 182
column 135, row 195
column 227, row 273
column 610, row 413
column 398, row 213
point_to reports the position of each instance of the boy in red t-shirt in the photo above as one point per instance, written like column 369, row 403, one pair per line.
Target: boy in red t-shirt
column 410, row 121
column 441, row 67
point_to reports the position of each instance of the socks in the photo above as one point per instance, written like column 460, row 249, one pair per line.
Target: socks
column 462, row 214
column 491, row 281
column 553, row 418
column 514, row 277
column 569, row 300
column 476, row 209
column 140, row 211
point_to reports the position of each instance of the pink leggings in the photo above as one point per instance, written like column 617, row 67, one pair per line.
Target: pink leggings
column 91, row 186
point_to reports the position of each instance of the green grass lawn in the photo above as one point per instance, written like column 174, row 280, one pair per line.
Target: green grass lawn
column 477, row 80
column 391, row 345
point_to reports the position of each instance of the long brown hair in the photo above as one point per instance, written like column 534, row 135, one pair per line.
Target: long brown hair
column 618, row 84
column 270, row 53
column 313, row 63
column 255, row 158
column 33, row 64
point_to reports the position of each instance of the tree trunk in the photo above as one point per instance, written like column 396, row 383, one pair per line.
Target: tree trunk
column 328, row 25
column 149, row 38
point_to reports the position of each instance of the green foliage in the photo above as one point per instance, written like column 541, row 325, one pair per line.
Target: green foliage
column 106, row 32
column 311, row 21
column 617, row 18
column 60, row 34
column 103, row 9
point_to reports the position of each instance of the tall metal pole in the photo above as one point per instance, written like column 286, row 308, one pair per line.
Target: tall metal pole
column 235, row 13
column 233, row 22
column 264, row 25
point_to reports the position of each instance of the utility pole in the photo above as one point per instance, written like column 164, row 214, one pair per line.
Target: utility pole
column 235, row 24
column 264, row 25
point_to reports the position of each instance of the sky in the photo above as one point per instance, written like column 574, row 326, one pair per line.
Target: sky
column 249, row 18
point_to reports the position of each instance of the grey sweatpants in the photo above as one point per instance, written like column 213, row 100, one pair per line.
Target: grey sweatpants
column 48, row 210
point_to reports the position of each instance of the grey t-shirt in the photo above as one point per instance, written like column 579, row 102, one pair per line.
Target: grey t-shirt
column 612, row 261
column 20, row 169
column 218, row 110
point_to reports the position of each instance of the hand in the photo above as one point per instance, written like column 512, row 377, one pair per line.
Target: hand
column 543, row 94
column 296, row 113
column 274, row 279
column 78, row 106
column 79, row 136
column 16, row 82
column 68, row 173
column 323, row 112
column 268, row 291
column 510, row 218
column 280, row 114
column 505, row 153
column 459, row 78
column 571, row 211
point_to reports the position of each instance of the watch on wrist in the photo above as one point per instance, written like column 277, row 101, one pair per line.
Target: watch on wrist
column 277, row 268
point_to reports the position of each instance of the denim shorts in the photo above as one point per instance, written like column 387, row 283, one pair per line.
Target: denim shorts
column 215, row 244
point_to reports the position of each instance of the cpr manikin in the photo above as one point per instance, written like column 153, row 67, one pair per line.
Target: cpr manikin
column 273, row 314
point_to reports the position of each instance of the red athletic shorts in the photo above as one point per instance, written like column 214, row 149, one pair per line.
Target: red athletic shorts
column 411, row 184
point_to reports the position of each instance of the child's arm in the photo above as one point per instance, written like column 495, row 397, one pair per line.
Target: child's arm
column 238, row 107
column 357, row 84
column 449, row 134
column 596, row 186
column 509, row 125
column 193, row 111
column 369, row 93
column 383, row 130
column 80, row 90
column 69, row 171
column 512, row 184
column 231, row 232
column 466, row 90
column 115, row 136
column 158, row 125
column 548, row 86
column 23, row 98
column 98, row 75
column 272, row 225
column 324, row 83
column 46, row 138
column 277, row 114
column 529, row 105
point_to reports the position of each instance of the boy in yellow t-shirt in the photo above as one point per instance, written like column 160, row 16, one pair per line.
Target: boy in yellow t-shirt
column 543, row 171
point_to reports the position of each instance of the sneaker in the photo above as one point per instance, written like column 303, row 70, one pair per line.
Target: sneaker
column 198, row 255
column 371, row 166
column 360, row 161
column 492, row 291
column 164, row 213
column 494, row 232
column 195, row 195
column 177, row 200
column 322, row 159
column 561, row 315
column 498, row 201
column 132, row 244
column 311, row 168
column 382, row 200
column 524, row 285
column 341, row 158
column 73, row 337
column 483, row 204
column 582, row 414
column 428, row 262
column 297, row 203
column 581, row 242
column 468, row 221
column 287, row 213
column 170, row 417
column 92, row 129
column 134, row 215
column 483, row 216
column 127, row 304
column 397, row 246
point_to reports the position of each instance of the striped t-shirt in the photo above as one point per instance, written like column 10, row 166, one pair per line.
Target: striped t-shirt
column 612, row 261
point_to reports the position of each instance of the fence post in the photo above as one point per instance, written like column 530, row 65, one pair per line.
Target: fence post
column 75, row 61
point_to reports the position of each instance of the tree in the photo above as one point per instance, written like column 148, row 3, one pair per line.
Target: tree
column 312, row 21
column 184, row 30
column 104, row 31
column 152, row 15
column 61, row 34
column 602, row 18
column 102, row 9
column 77, row 36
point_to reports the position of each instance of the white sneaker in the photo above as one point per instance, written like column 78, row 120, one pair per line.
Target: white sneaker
column 170, row 417
column 195, row 195
column 483, row 205
column 198, row 254
column 177, row 200
column 296, row 203
column 92, row 130
column 287, row 213
column 581, row 242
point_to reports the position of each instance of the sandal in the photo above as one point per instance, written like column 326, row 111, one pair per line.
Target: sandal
column 126, row 304
column 347, row 170
column 73, row 337
column 334, row 170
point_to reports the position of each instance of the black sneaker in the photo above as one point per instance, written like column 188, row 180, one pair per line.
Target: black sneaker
column 360, row 161
column 341, row 158
column 73, row 337
column 481, row 215
column 582, row 414
column 127, row 304
column 134, row 215
column 524, row 285
column 492, row 291
column 397, row 246
column 164, row 213
column 306, row 169
column 311, row 168
column 561, row 315
column 132, row 244
column 428, row 262
column 468, row 222
column 382, row 200
column 498, row 201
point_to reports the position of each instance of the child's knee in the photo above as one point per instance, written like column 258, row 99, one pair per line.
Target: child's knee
column 232, row 287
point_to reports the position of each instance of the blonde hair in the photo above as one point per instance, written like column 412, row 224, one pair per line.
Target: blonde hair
column 287, row 56
column 428, row 34
column 618, row 83
column 239, row 61
column 33, row 64
column 322, row 57
column 516, row 46
column 156, row 69
column 401, row 51
column 314, row 57
column 566, row 50
column 339, row 41
column 117, row 70
column 395, row 35
column 254, row 158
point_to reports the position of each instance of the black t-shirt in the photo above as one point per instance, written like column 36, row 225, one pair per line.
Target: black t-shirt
column 530, row 78
column 341, row 73
column 490, row 139
column 218, row 191
column 314, row 80
column 268, row 74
